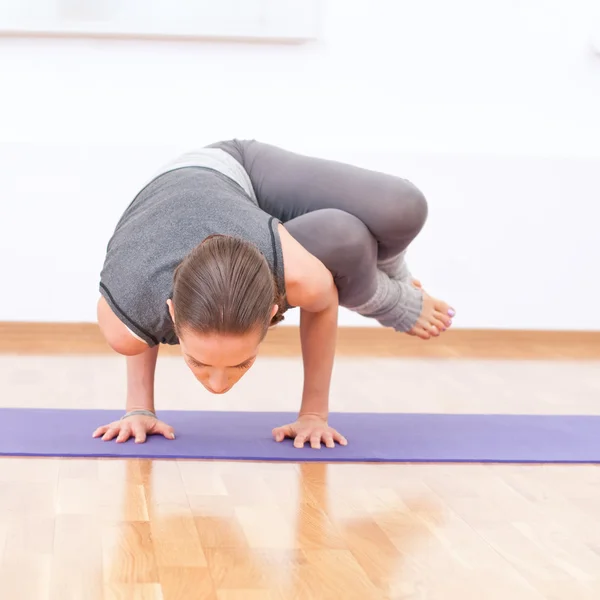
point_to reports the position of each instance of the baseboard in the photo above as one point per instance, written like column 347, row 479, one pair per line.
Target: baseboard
column 85, row 338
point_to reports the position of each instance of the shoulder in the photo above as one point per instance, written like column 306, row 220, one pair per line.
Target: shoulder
column 116, row 333
column 309, row 284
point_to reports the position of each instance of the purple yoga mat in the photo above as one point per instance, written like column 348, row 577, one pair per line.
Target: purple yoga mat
column 371, row 437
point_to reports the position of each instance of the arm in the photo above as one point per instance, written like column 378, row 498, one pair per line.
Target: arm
column 140, row 380
column 115, row 332
column 141, row 368
column 318, row 336
column 310, row 286
column 141, row 359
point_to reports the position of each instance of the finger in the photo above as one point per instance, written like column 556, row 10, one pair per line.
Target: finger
column 280, row 433
column 339, row 438
column 299, row 441
column 315, row 440
column 101, row 430
column 328, row 440
column 139, row 431
column 166, row 430
column 110, row 433
column 124, row 434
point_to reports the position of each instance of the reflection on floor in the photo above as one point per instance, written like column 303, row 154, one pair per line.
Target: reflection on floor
column 112, row 529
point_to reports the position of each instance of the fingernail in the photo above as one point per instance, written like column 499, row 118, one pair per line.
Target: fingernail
column 172, row 436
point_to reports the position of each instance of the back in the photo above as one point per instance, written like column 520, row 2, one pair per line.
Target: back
column 168, row 218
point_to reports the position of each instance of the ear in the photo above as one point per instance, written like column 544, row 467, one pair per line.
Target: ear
column 171, row 309
column 274, row 310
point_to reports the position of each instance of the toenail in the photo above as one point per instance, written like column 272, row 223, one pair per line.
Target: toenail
column 451, row 312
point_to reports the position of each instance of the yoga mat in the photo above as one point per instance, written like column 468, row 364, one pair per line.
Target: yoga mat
column 372, row 437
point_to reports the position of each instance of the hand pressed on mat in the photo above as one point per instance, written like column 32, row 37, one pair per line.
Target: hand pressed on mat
column 137, row 426
column 309, row 428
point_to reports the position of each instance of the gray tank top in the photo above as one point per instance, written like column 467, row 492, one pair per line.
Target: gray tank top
column 202, row 193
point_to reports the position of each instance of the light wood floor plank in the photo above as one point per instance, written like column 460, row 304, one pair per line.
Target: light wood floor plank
column 112, row 529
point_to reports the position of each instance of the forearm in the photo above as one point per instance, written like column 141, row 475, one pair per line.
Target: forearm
column 140, row 380
column 318, row 336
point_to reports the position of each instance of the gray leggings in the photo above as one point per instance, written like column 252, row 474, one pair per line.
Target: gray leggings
column 349, row 217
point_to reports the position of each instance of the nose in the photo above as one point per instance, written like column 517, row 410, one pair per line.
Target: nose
column 218, row 384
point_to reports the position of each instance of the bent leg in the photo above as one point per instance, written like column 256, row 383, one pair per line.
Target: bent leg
column 289, row 185
column 347, row 248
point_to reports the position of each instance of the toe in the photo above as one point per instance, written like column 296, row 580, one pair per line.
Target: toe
column 441, row 318
column 422, row 333
column 444, row 308
column 439, row 324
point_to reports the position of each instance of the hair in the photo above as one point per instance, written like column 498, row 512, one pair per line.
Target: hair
column 226, row 286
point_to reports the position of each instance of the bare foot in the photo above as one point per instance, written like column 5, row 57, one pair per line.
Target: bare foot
column 436, row 317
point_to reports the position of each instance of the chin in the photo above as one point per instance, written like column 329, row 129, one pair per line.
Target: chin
column 218, row 393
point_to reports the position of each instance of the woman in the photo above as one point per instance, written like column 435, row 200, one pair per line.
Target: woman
column 223, row 241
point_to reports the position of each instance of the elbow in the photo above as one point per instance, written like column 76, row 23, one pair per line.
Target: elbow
column 125, row 344
column 116, row 334
column 322, row 293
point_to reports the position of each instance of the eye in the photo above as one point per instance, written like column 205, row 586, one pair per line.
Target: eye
column 246, row 365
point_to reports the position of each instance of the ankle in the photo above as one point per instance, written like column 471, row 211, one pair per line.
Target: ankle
column 396, row 268
column 394, row 304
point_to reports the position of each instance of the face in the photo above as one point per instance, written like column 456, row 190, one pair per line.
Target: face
column 219, row 361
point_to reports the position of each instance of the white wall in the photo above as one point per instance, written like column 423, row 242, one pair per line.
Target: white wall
column 487, row 106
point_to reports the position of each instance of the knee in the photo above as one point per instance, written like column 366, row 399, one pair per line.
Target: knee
column 341, row 241
column 408, row 208
column 349, row 239
column 346, row 247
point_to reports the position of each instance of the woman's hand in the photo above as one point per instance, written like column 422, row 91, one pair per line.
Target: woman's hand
column 137, row 426
column 309, row 428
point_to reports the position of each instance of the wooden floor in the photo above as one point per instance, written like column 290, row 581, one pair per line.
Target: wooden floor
column 186, row 530
column 85, row 338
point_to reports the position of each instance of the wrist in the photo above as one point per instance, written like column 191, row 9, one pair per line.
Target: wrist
column 136, row 404
column 139, row 412
column 316, row 405
column 321, row 416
